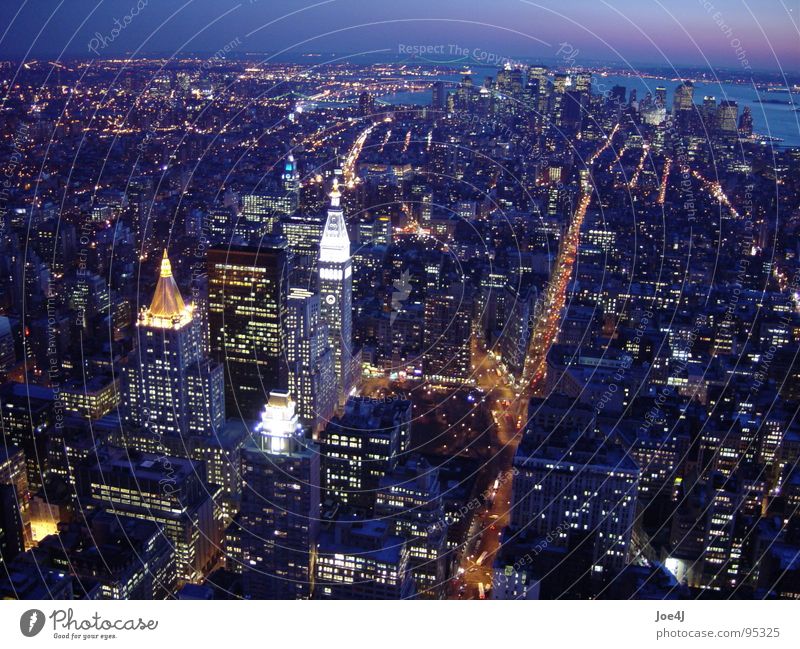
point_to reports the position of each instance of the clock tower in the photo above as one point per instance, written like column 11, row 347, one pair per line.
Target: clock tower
column 336, row 291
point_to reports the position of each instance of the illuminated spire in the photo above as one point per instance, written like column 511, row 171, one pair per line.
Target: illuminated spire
column 167, row 306
column 335, row 193
column 335, row 244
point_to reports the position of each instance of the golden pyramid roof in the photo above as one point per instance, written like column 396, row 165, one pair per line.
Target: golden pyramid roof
column 167, row 302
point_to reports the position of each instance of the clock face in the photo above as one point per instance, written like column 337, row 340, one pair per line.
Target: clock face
column 330, row 299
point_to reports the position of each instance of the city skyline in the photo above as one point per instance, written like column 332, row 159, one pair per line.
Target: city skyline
column 404, row 327
column 625, row 33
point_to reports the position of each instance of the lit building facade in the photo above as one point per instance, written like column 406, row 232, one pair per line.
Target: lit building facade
column 170, row 386
column 362, row 560
column 311, row 373
column 361, row 447
column 336, row 291
column 248, row 289
column 280, row 513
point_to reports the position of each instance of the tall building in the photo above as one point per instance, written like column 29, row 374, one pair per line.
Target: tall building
column 366, row 104
column 361, row 447
column 279, row 518
column 683, row 99
column 447, row 356
column 170, row 491
column 439, row 102
column 578, row 491
column 336, row 291
column 728, row 117
column 15, row 525
column 539, row 86
column 410, row 499
column 28, row 422
column 261, row 212
column 170, row 387
column 311, row 379
column 362, row 560
column 746, row 122
column 113, row 557
column 303, row 233
column 248, row 290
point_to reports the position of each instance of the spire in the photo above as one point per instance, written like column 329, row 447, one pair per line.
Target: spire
column 167, row 302
column 335, row 193
column 335, row 244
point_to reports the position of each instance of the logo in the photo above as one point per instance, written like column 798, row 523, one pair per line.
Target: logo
column 31, row 622
column 400, row 294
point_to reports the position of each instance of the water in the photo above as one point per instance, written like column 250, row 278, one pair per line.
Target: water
column 774, row 120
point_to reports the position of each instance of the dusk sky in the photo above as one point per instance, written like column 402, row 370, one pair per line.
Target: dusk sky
column 679, row 32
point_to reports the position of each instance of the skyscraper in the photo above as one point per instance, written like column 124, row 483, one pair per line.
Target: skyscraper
column 248, row 289
column 728, row 117
column 447, row 332
column 366, row 104
column 439, row 102
column 311, row 378
column 261, row 211
column 280, row 511
column 170, row 387
column 579, row 490
column 336, row 291
column 410, row 498
column 683, row 99
column 361, row 447
column 303, row 233
column 170, row 491
column 362, row 560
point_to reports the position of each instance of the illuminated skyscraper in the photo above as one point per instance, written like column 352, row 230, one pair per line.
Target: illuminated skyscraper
column 361, row 447
column 447, row 357
column 539, row 85
column 362, row 560
column 409, row 498
column 261, row 211
column 280, row 511
column 579, row 490
column 248, row 289
column 303, row 233
column 728, row 117
column 336, row 289
column 439, row 102
column 366, row 104
column 170, row 387
column 170, row 491
column 311, row 379
column 683, row 99
column 746, row 122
